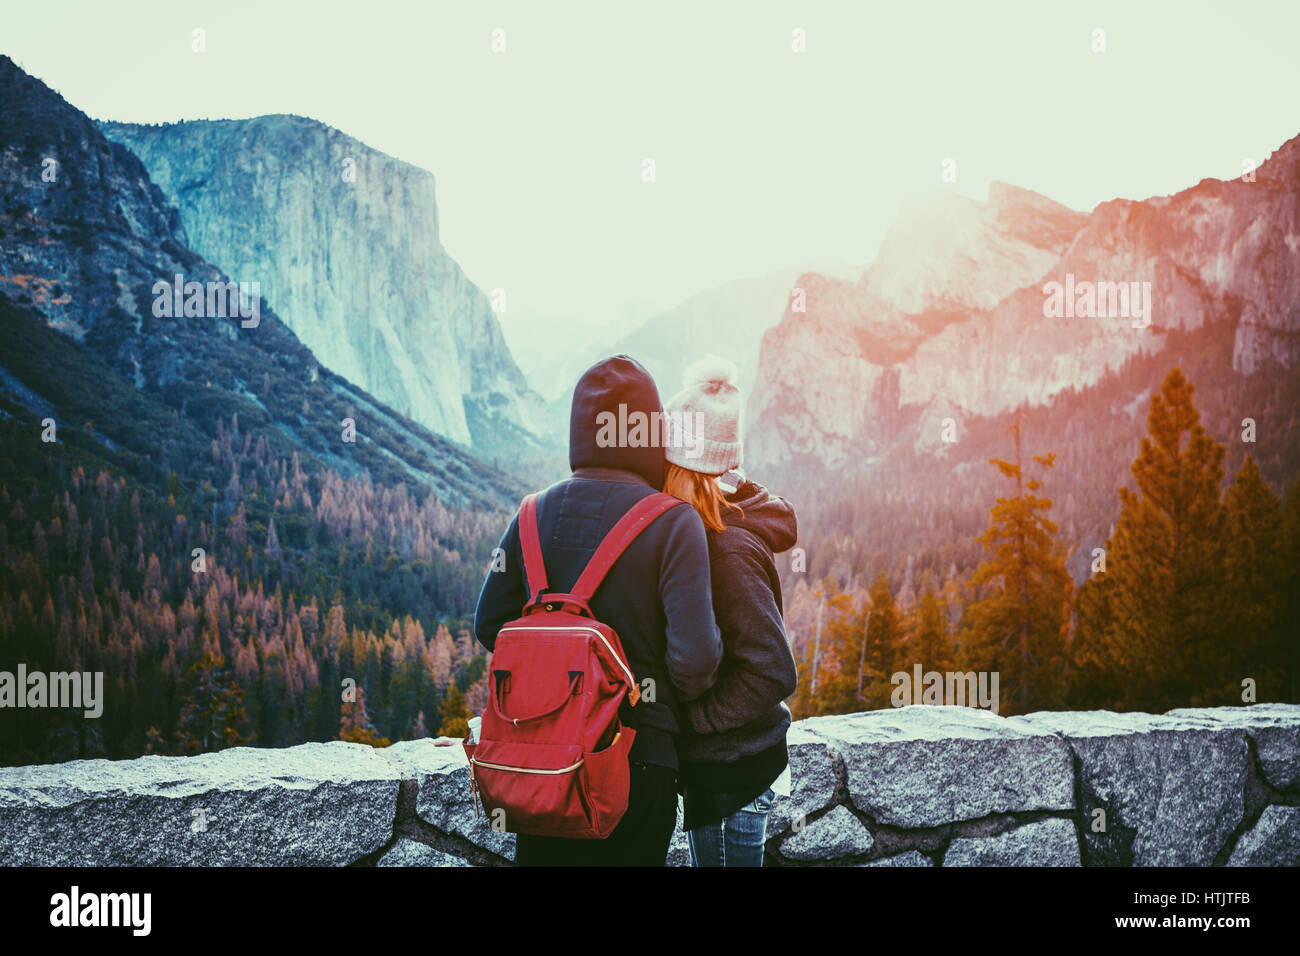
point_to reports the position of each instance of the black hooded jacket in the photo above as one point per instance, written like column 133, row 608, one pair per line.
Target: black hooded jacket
column 657, row 595
column 737, row 743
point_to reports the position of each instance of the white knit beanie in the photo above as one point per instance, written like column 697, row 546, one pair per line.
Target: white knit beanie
column 706, row 416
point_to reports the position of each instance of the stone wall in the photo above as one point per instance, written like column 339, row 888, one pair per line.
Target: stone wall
column 917, row 786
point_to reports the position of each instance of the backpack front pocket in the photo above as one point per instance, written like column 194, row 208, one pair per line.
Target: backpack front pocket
column 539, row 784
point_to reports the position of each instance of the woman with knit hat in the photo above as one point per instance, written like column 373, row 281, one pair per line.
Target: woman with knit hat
column 733, row 755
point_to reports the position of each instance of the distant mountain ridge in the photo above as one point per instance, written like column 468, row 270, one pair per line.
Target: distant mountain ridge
column 345, row 242
column 948, row 322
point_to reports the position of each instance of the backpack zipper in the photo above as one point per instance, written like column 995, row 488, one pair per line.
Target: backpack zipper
column 475, row 762
column 498, row 766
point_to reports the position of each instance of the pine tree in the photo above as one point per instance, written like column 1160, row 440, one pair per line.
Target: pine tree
column 1285, row 648
column 1151, row 627
column 1252, row 572
column 1016, row 626
column 212, row 711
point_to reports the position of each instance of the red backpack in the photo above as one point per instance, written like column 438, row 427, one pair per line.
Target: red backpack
column 552, row 753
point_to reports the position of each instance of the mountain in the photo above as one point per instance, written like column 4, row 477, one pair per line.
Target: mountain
column 344, row 240
column 729, row 320
column 182, row 506
column 848, row 414
column 949, row 320
column 86, row 238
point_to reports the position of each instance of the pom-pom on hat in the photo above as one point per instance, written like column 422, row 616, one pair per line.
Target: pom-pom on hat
column 705, row 417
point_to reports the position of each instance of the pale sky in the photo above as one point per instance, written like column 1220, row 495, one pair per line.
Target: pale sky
column 765, row 158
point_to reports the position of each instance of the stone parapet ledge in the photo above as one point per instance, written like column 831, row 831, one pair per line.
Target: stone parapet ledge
column 914, row 786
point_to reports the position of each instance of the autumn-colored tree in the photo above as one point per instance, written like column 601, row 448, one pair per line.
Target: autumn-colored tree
column 1016, row 624
column 354, row 722
column 455, row 715
column 885, row 650
column 801, row 702
column 847, row 668
column 837, row 660
column 930, row 642
column 153, row 742
column 441, row 653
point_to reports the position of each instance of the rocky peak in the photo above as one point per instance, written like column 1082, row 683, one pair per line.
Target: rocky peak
column 948, row 251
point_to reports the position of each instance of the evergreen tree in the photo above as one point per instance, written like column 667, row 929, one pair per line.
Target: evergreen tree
column 1152, row 628
column 212, row 711
column 1285, row 648
column 1016, row 626
column 1251, row 578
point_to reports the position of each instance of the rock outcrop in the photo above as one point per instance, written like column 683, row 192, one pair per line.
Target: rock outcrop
column 919, row 786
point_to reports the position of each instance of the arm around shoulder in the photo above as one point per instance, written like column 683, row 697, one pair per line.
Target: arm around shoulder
column 694, row 648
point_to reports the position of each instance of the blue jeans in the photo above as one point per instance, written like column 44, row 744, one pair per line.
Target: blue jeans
column 735, row 840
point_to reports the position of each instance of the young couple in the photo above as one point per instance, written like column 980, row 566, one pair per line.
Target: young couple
column 696, row 602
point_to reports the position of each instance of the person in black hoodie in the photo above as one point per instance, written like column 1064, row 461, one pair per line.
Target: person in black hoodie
column 735, row 754
column 656, row 596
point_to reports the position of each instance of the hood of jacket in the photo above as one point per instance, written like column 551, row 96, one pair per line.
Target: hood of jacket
column 599, row 427
column 766, row 515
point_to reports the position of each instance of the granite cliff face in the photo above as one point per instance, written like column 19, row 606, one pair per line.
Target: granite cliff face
column 949, row 320
column 85, row 236
column 344, row 240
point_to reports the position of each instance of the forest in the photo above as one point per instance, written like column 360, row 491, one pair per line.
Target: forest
column 280, row 607
column 1190, row 601
column 277, row 604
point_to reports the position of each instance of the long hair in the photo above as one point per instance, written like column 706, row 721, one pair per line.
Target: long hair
column 699, row 491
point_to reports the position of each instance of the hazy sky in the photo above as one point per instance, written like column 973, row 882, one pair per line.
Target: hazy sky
column 765, row 158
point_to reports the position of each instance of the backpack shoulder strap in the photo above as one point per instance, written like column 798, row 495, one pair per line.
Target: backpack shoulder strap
column 624, row 532
column 534, row 564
